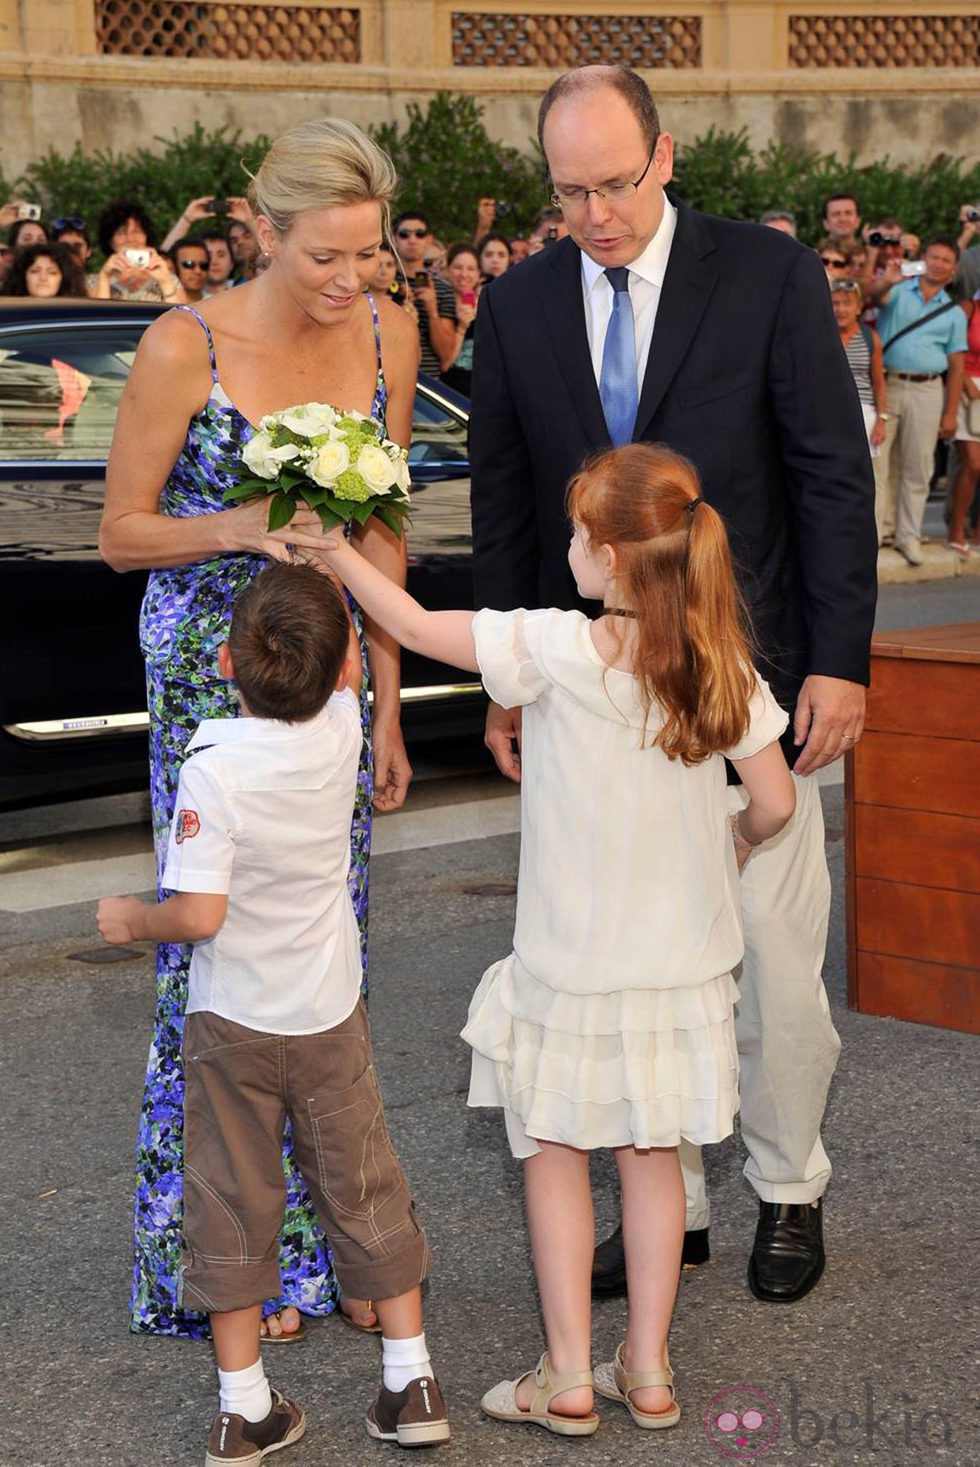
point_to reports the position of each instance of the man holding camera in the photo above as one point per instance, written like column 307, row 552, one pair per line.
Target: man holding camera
column 966, row 282
column 923, row 335
column 434, row 299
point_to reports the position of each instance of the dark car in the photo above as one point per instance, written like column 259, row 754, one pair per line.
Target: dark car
column 72, row 698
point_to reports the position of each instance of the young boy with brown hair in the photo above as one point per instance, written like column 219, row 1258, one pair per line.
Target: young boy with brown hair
column 258, row 860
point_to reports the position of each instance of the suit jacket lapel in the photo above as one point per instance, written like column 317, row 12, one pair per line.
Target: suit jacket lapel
column 690, row 279
column 564, row 311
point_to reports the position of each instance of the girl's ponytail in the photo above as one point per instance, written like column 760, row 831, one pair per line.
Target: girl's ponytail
column 692, row 654
column 717, row 635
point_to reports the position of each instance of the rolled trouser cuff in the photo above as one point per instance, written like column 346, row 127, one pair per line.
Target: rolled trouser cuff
column 220, row 1287
column 382, row 1278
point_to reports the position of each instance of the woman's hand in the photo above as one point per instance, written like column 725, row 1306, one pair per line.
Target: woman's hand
column 392, row 771
column 199, row 209
column 246, row 528
column 465, row 315
column 878, row 433
column 160, row 271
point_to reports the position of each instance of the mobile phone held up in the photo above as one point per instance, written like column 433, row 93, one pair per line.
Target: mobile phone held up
column 139, row 259
column 468, row 298
column 910, row 268
column 29, row 211
column 421, row 280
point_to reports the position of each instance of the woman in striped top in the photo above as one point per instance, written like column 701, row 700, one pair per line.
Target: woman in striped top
column 862, row 345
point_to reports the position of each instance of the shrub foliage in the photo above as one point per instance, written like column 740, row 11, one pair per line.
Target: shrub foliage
column 446, row 161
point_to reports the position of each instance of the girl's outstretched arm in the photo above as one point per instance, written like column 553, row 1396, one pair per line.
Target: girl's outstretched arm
column 772, row 796
column 445, row 636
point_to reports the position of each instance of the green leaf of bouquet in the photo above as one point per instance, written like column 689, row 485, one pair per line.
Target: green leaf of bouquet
column 328, row 519
column 362, row 512
column 246, row 489
column 389, row 517
column 281, row 511
column 313, row 497
column 290, row 478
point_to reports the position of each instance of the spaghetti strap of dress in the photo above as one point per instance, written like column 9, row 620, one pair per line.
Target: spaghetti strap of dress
column 207, row 331
column 380, row 390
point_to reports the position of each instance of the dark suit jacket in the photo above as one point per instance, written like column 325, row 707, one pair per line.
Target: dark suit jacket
column 746, row 377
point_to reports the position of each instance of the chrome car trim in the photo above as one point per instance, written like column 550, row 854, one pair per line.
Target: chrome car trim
column 108, row 724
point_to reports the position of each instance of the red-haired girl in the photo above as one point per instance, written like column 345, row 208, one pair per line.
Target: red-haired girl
column 610, row 1024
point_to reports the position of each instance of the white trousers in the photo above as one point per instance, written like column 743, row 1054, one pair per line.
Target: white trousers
column 908, row 454
column 787, row 1043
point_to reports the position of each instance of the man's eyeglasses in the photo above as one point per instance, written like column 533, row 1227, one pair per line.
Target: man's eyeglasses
column 412, row 233
column 613, row 193
column 193, row 264
column 830, row 264
column 70, row 221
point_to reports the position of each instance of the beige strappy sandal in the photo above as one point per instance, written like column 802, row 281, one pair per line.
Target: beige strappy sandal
column 501, row 1402
column 616, row 1383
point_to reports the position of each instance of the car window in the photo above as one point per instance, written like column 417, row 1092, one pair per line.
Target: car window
column 60, row 389
column 438, row 436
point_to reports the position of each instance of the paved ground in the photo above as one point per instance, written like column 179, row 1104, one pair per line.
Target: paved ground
column 877, row 1366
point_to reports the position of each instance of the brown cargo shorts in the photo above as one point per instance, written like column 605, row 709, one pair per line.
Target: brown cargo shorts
column 241, row 1085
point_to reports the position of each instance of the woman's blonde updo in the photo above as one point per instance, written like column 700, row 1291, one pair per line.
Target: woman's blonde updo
column 319, row 165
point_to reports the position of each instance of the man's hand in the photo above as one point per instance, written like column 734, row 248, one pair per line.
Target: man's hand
column 503, row 731
column 829, row 720
column 947, row 425
column 392, row 771
column 117, row 918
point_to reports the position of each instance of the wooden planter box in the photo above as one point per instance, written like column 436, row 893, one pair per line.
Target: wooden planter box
column 912, row 793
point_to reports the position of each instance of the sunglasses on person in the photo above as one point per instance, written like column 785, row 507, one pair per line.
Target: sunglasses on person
column 70, row 221
column 830, row 264
column 851, row 286
column 412, row 233
column 193, row 264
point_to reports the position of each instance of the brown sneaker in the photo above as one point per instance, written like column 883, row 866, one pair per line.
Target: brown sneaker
column 414, row 1417
column 233, row 1439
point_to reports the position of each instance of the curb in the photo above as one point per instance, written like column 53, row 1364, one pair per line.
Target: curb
column 938, row 564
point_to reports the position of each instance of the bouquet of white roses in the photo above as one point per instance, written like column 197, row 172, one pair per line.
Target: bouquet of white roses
column 340, row 464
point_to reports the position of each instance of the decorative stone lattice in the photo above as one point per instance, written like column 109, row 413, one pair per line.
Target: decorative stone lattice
column 573, row 40
column 884, row 40
column 233, row 32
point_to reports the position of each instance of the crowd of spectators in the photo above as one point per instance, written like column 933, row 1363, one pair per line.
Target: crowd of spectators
column 907, row 313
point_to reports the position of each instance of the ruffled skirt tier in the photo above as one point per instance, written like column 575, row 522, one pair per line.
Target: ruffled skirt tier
column 635, row 1067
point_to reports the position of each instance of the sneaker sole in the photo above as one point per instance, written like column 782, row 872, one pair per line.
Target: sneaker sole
column 424, row 1434
column 256, row 1457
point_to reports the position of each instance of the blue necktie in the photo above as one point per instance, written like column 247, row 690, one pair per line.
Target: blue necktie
column 617, row 379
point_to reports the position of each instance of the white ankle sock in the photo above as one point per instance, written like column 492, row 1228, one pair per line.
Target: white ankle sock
column 404, row 1360
column 246, row 1392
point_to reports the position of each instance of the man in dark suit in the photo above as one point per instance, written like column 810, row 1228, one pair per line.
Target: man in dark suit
column 737, row 366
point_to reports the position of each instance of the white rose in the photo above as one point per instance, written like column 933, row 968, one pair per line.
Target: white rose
column 376, row 468
column 404, row 479
column 328, row 465
column 263, row 459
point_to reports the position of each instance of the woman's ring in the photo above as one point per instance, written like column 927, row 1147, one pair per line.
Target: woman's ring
column 850, row 737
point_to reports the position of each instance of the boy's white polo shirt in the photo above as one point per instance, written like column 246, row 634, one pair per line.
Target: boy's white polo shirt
column 263, row 814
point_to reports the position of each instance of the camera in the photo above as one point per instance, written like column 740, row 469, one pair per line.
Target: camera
column 973, row 216
column 138, row 258
column 29, row 211
column 551, row 237
column 421, row 280
column 502, row 208
column 912, row 267
column 220, row 206
column 878, row 239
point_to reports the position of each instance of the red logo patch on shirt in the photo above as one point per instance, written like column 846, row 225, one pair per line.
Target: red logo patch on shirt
column 188, row 824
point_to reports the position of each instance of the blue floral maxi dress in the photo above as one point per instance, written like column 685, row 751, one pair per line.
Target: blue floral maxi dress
column 185, row 618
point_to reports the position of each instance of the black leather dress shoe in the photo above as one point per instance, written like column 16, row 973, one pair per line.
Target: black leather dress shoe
column 609, row 1261
column 787, row 1256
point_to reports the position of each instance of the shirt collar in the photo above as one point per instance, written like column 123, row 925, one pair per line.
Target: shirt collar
column 651, row 265
column 254, row 730
column 940, row 296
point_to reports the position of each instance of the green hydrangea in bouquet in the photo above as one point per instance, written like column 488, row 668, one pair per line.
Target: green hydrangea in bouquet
column 339, row 464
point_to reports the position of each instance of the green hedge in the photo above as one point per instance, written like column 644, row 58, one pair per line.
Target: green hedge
column 446, row 161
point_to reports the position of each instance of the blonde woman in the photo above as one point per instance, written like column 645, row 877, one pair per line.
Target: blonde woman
column 303, row 330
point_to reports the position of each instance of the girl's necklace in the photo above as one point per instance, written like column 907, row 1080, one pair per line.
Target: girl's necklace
column 619, row 611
